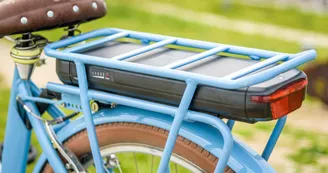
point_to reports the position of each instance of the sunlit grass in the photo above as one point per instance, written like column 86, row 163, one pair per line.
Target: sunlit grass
column 310, row 155
column 306, row 148
column 288, row 17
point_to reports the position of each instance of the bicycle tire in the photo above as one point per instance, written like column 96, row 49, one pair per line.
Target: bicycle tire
column 113, row 133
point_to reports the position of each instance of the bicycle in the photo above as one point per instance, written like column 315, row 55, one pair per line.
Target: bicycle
column 142, row 96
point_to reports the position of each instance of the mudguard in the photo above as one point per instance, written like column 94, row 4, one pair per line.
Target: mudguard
column 243, row 159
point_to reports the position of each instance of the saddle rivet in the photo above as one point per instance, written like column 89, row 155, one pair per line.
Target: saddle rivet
column 76, row 8
column 94, row 5
column 24, row 20
column 50, row 14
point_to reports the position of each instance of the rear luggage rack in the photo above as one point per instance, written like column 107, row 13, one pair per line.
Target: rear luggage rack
column 235, row 80
column 242, row 78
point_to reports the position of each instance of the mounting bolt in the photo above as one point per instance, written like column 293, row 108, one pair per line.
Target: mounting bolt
column 94, row 5
column 94, row 106
column 111, row 162
column 113, row 105
column 50, row 14
column 63, row 105
column 68, row 166
column 76, row 8
column 112, row 156
column 23, row 20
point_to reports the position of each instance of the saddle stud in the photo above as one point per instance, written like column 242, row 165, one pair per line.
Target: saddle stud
column 24, row 20
column 76, row 8
column 94, row 5
column 50, row 14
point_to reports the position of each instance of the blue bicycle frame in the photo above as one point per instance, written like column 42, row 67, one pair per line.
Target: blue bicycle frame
column 208, row 131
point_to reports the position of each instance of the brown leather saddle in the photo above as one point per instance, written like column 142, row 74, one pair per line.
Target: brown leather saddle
column 22, row 16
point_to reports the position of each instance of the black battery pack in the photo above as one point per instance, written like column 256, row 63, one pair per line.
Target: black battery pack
column 231, row 104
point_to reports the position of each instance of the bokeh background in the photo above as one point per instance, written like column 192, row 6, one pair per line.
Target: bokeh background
column 279, row 25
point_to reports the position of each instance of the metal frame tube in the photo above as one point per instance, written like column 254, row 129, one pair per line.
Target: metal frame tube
column 144, row 49
column 53, row 110
column 40, row 132
column 274, row 138
column 97, row 42
column 230, row 124
column 17, row 136
column 83, row 85
column 195, row 58
column 256, row 67
column 178, row 119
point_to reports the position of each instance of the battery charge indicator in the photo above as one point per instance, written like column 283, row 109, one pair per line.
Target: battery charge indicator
column 107, row 76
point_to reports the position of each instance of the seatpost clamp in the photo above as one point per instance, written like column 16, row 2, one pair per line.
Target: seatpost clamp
column 25, row 54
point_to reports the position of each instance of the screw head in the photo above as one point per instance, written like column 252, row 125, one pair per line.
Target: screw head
column 94, row 5
column 68, row 166
column 50, row 14
column 23, row 20
column 76, row 8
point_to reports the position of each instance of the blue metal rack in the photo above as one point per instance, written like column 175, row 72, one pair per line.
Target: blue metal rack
column 232, row 81
column 236, row 80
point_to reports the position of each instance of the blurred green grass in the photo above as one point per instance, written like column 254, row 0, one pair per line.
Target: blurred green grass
column 288, row 17
column 305, row 147
column 123, row 14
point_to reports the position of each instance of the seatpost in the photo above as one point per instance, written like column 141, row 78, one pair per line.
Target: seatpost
column 72, row 31
column 26, row 37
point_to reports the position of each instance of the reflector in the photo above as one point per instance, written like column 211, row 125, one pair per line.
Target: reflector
column 284, row 100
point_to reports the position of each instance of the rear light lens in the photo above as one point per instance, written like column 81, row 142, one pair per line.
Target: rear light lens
column 284, row 100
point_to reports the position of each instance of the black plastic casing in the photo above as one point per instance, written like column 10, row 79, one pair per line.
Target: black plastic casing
column 231, row 104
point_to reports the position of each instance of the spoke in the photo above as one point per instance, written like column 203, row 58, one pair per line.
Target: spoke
column 106, row 170
column 152, row 163
column 119, row 166
column 112, row 163
column 135, row 161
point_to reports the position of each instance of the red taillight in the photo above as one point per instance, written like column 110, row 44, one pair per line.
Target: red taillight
column 284, row 100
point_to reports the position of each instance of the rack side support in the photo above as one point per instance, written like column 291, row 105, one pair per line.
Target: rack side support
column 178, row 119
column 274, row 138
column 83, row 84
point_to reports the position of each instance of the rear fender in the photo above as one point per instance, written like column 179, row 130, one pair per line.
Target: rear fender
column 242, row 159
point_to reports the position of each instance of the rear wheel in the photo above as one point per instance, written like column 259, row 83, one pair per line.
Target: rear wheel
column 138, row 148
